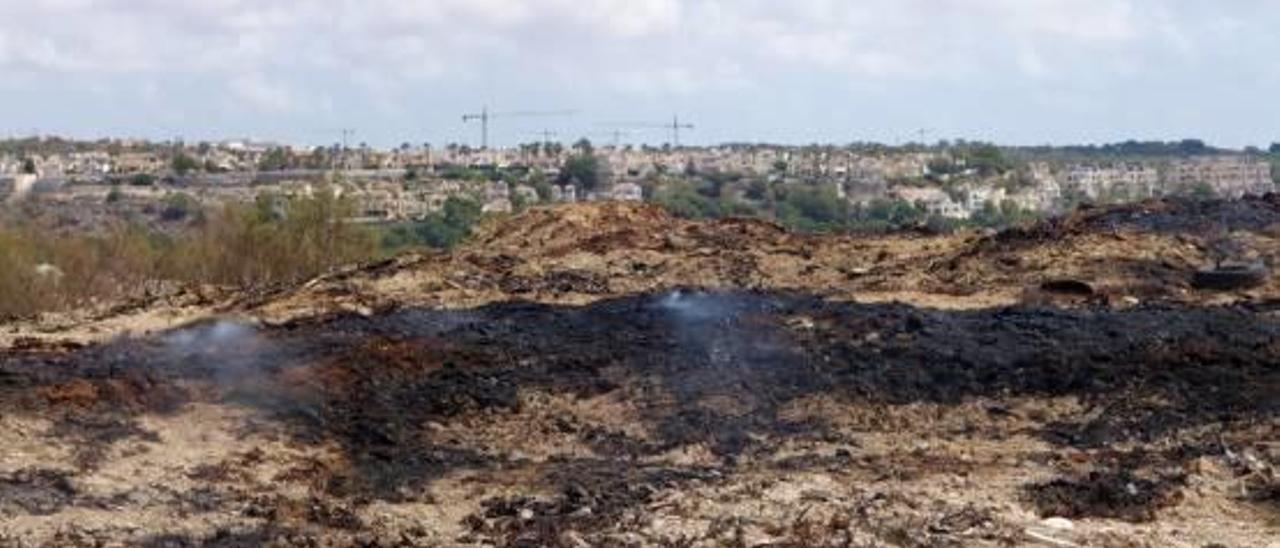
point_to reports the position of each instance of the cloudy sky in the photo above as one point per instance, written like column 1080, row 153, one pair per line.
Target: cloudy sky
column 1013, row 71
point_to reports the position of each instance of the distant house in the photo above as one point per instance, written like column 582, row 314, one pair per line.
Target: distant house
column 499, row 205
column 17, row 186
column 977, row 197
column 564, row 194
column 1129, row 179
column 1228, row 176
column 934, row 200
column 627, row 192
column 526, row 193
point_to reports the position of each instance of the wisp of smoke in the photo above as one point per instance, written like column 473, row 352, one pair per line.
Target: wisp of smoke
column 695, row 306
column 229, row 349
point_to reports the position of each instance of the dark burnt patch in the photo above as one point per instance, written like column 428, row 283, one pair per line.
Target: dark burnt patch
column 1115, row 494
column 1179, row 215
column 1153, row 369
column 35, row 491
column 590, row 496
column 711, row 368
column 267, row 535
column 93, row 436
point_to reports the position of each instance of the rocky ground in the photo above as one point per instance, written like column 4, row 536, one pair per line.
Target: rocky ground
column 604, row 375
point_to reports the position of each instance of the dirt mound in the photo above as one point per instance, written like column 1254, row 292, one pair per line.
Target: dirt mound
column 1165, row 215
column 585, row 252
column 581, row 253
column 611, row 227
column 593, row 228
column 1145, row 251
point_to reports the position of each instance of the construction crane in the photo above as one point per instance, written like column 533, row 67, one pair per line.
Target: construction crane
column 545, row 144
column 674, row 127
column 346, row 135
column 924, row 136
column 546, row 135
column 484, row 116
column 615, row 136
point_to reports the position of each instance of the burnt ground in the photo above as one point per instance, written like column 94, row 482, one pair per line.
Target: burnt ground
column 1171, row 215
column 679, row 418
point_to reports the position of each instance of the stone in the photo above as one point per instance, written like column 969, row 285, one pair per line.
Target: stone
column 1063, row 524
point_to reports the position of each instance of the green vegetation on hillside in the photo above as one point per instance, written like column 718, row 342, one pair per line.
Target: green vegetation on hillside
column 183, row 164
column 813, row 208
column 440, row 230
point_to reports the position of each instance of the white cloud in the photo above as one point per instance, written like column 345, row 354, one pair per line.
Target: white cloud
column 274, row 53
column 262, row 94
column 872, row 38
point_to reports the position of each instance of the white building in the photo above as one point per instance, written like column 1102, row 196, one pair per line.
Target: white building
column 934, row 200
column 627, row 192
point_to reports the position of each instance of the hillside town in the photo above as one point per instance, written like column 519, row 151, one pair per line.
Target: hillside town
column 953, row 181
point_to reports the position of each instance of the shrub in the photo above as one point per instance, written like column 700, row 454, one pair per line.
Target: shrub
column 241, row 245
column 441, row 230
column 684, row 201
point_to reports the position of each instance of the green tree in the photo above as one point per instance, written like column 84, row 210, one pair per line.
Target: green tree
column 988, row 159
column 684, row 201
column 178, row 206
column 519, row 202
column 276, row 159
column 449, row 227
column 813, row 209
column 442, row 230
column 941, row 166
column 1203, row 191
column 183, row 164
column 544, row 190
column 989, row 216
column 757, row 189
column 585, row 170
column 885, row 212
column 29, row 166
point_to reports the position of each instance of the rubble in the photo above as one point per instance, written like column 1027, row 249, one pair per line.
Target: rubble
column 607, row 375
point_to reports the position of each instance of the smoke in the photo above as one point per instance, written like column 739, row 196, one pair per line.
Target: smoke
column 231, row 351
column 723, row 332
column 688, row 306
column 207, row 338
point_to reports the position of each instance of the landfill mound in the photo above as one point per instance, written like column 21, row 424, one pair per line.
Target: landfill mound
column 607, row 375
column 577, row 254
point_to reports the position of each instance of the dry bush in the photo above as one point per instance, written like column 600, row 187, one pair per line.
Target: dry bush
column 21, row 289
column 272, row 242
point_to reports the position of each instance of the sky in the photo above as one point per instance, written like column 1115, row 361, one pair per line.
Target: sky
column 783, row 71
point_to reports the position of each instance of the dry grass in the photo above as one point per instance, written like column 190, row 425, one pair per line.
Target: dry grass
column 263, row 244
